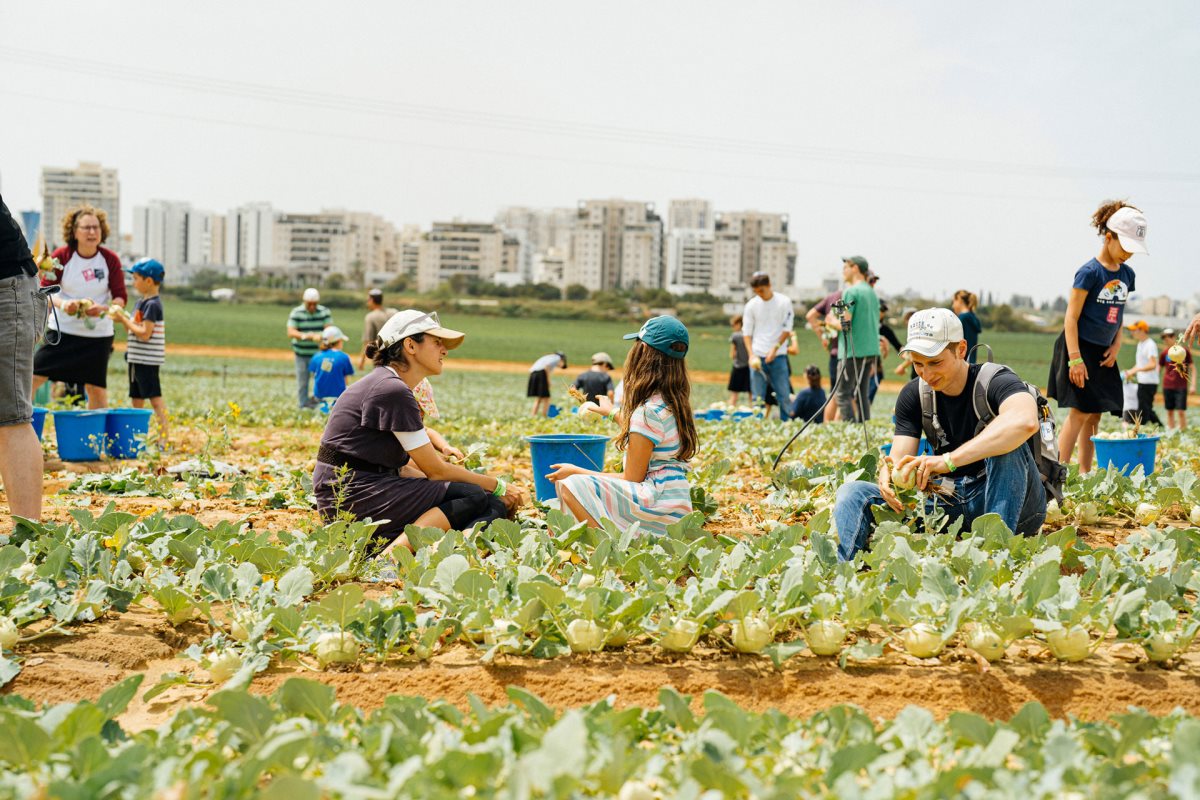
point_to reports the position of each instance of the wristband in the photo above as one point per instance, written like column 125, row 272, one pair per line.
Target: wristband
column 1074, row 362
column 501, row 487
column 949, row 464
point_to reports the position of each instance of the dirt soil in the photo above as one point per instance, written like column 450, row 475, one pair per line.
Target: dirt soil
column 65, row 668
column 60, row 668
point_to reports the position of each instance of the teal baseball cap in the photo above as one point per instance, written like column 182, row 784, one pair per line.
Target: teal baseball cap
column 665, row 334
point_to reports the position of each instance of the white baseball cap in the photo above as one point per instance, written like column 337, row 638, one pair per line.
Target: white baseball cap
column 930, row 330
column 410, row 321
column 311, row 295
column 333, row 333
column 1129, row 225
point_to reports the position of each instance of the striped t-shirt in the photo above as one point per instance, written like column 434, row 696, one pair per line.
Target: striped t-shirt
column 148, row 309
column 307, row 321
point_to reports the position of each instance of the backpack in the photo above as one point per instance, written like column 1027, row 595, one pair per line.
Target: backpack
column 1043, row 444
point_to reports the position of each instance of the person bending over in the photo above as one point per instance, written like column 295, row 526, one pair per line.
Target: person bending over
column 992, row 469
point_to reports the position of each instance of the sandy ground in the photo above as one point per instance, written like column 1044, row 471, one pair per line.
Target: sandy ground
column 63, row 668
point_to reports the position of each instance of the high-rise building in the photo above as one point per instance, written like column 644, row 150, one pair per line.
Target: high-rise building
column 689, row 260
column 249, row 237
column 311, row 248
column 161, row 231
column 31, row 223
column 763, row 246
column 63, row 188
column 616, row 244
column 537, row 230
column 691, row 213
column 470, row 249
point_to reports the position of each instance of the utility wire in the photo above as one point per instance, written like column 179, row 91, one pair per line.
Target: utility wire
column 313, row 100
column 347, row 134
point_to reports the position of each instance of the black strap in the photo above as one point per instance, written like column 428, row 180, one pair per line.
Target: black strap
column 327, row 455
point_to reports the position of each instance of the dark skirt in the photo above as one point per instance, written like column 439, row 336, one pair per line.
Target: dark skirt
column 377, row 496
column 539, row 384
column 1101, row 392
column 739, row 379
column 75, row 359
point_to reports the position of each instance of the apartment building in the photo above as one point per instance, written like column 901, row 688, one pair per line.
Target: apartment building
column 537, row 230
column 63, row 188
column 615, row 244
column 691, row 214
column 471, row 249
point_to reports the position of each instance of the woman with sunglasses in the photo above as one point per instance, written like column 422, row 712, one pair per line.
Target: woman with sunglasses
column 376, row 430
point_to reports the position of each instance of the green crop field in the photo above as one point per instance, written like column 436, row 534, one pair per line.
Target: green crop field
column 523, row 340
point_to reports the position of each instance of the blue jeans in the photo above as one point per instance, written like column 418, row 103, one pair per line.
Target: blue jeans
column 776, row 372
column 302, row 380
column 1010, row 486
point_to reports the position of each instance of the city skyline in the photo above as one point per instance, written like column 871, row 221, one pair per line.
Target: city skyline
column 938, row 142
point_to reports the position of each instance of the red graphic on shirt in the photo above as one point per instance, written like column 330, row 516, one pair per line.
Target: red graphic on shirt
column 1113, row 312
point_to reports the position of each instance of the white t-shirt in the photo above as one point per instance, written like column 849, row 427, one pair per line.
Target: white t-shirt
column 1131, row 398
column 546, row 362
column 764, row 321
column 84, row 278
column 1147, row 353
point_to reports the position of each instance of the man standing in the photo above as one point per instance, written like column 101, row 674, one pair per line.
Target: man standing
column 304, row 327
column 373, row 322
column 22, row 317
column 767, row 326
column 858, row 347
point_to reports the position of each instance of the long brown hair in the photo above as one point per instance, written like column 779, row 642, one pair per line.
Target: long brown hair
column 968, row 299
column 71, row 219
column 647, row 373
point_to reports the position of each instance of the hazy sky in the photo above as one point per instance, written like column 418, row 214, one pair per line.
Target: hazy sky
column 951, row 144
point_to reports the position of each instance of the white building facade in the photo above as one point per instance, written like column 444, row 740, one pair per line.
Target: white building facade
column 89, row 183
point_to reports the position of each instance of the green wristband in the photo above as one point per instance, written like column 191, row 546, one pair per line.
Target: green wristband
column 949, row 464
column 501, row 487
column 1074, row 362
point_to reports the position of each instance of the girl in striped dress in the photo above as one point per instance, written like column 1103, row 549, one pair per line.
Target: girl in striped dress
column 658, row 435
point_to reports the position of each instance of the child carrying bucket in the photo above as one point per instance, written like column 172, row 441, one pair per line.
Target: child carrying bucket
column 658, row 435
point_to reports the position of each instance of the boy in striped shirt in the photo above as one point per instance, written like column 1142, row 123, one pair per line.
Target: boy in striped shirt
column 145, row 349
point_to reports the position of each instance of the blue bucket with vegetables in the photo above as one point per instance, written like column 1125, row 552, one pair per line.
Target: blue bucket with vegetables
column 127, row 429
column 80, row 434
column 584, row 450
column 1126, row 454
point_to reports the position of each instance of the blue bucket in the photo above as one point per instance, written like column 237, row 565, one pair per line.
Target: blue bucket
column 127, row 429
column 581, row 449
column 552, row 410
column 39, row 421
column 80, row 434
column 711, row 414
column 1127, row 454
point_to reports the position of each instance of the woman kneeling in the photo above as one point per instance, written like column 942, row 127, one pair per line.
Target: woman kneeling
column 376, row 435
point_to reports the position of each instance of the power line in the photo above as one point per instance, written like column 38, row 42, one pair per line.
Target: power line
column 313, row 100
column 345, row 134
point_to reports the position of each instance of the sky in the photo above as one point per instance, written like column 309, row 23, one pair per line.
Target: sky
column 955, row 145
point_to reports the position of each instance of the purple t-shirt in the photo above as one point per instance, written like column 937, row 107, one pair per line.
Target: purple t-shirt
column 823, row 308
column 367, row 415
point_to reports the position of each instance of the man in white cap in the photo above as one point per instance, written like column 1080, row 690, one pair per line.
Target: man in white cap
column 304, row 327
column 983, row 423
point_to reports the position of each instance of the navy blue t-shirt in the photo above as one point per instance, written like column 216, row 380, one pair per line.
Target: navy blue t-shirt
column 972, row 327
column 1104, row 308
column 806, row 404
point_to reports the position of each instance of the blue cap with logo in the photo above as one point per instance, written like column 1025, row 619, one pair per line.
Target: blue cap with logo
column 150, row 268
column 665, row 334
